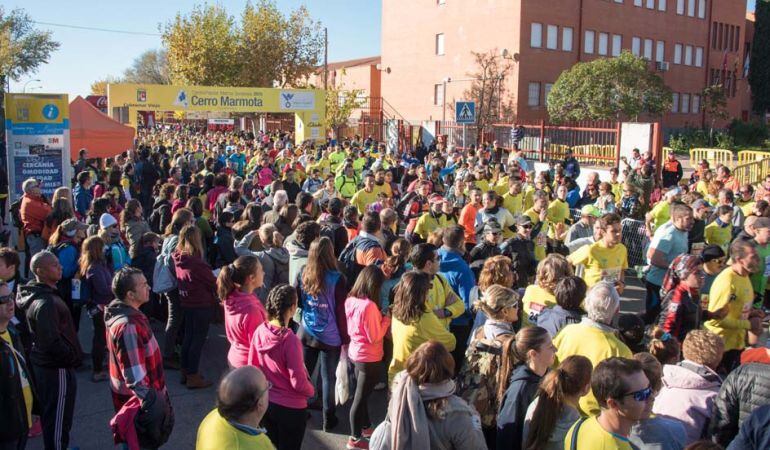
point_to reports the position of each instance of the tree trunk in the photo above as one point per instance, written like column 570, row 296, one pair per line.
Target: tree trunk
column 3, row 155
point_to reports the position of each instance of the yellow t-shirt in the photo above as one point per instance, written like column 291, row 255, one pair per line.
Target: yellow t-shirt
column 384, row 187
column 660, row 213
column 558, row 212
column 601, row 262
column 501, row 187
column 592, row 436
column 437, row 295
column 617, row 190
column 362, row 199
column 534, row 301
column 716, row 235
column 514, row 203
column 26, row 389
column 746, row 207
column 427, row 224
column 541, row 240
column 529, row 197
column 216, row 433
column 735, row 290
column 703, row 188
column 482, row 184
column 407, row 337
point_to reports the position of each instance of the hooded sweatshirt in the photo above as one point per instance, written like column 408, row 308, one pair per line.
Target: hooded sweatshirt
column 688, row 394
column 278, row 352
column 367, row 328
column 513, row 409
column 297, row 260
column 197, row 284
column 243, row 314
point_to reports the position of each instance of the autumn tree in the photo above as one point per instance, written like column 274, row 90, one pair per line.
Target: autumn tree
column 151, row 67
column 99, row 87
column 22, row 50
column 340, row 104
column 714, row 104
column 278, row 49
column 608, row 89
column 493, row 103
column 203, row 47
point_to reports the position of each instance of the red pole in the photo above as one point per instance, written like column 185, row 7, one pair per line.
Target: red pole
column 542, row 140
column 617, row 145
column 657, row 148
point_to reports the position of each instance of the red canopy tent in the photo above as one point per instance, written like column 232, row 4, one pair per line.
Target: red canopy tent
column 97, row 132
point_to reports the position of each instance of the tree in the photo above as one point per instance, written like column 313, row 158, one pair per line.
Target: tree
column 714, row 101
column 608, row 89
column 340, row 104
column 488, row 89
column 151, row 67
column 278, row 49
column 203, row 47
column 22, row 50
column 759, row 70
column 99, row 87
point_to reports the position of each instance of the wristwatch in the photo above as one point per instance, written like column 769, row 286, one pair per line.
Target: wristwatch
column 447, row 313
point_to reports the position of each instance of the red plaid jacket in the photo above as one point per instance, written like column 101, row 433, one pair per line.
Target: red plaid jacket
column 136, row 363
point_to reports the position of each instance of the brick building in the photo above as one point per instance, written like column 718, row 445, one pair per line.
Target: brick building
column 427, row 45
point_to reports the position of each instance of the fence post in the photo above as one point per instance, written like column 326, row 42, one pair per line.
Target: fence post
column 542, row 140
column 657, row 148
column 617, row 144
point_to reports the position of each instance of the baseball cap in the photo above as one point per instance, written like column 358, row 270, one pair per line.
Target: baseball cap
column 523, row 220
column 492, row 227
column 71, row 226
column 590, row 210
column 435, row 198
column 700, row 203
column 712, row 252
column 673, row 192
column 106, row 221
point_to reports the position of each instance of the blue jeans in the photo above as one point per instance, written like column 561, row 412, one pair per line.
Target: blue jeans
column 196, row 329
column 329, row 360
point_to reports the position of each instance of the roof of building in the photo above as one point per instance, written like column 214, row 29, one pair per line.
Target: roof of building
column 368, row 61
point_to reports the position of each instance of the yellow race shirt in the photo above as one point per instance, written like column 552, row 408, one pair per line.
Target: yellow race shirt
column 541, row 240
column 592, row 436
column 601, row 262
column 716, row 235
column 729, row 288
column 558, row 212
column 362, row 199
column 535, row 300
column 215, row 433
column 407, row 337
column 437, row 295
column 660, row 213
column 514, row 203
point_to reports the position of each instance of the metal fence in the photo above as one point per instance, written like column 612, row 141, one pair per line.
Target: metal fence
column 633, row 236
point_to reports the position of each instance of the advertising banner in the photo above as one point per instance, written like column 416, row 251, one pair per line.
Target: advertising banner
column 37, row 138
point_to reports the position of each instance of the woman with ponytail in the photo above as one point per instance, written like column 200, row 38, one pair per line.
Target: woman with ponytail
column 244, row 312
column 536, row 352
column 555, row 409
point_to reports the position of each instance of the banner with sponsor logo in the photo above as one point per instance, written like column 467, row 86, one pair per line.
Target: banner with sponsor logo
column 38, row 141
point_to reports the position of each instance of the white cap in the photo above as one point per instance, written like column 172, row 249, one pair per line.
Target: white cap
column 106, row 221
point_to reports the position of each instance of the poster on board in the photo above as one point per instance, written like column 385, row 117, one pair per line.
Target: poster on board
column 37, row 139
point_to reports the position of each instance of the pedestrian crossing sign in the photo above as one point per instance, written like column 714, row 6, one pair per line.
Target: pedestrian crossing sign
column 465, row 112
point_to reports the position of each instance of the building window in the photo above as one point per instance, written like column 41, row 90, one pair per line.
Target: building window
column 441, row 2
column 547, row 90
column 636, row 45
column 650, row 4
column 618, row 1
column 604, row 39
column 566, row 39
column 589, row 42
column 678, row 54
column 660, row 51
column 617, row 44
column 737, row 38
column 685, row 109
column 714, row 30
column 701, row 9
column 552, row 37
column 638, row 3
column 688, row 55
column 438, row 94
column 536, row 35
column 695, row 104
column 648, row 49
column 690, row 9
column 533, row 98
column 674, row 102
column 440, row 44
column 662, row 5
column 680, row 7
column 699, row 57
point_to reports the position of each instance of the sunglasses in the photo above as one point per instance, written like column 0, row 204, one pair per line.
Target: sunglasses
column 527, row 227
column 5, row 299
column 641, row 395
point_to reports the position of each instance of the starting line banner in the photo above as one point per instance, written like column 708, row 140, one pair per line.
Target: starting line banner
column 37, row 131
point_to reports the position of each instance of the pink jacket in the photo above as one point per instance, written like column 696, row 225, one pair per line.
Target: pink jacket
column 688, row 396
column 243, row 314
column 366, row 327
column 278, row 352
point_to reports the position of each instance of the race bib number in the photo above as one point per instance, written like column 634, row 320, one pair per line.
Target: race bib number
column 697, row 248
column 534, row 310
column 611, row 275
column 542, row 238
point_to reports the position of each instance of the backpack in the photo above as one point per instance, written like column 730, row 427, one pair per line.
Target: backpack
column 348, row 264
column 164, row 273
column 157, row 218
column 477, row 381
column 329, row 230
column 15, row 211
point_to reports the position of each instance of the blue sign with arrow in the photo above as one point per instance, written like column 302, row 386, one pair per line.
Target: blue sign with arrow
column 465, row 112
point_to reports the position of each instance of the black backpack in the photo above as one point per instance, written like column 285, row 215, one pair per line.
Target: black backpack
column 329, row 230
column 15, row 211
column 348, row 264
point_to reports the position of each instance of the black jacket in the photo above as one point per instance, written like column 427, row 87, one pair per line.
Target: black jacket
column 225, row 245
column 480, row 253
column 513, row 409
column 522, row 253
column 755, row 431
column 54, row 339
column 145, row 261
column 745, row 389
column 13, row 411
column 332, row 228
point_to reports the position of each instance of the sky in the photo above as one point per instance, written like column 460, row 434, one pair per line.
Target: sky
column 86, row 56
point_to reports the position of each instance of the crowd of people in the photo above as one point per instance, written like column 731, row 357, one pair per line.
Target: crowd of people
column 483, row 296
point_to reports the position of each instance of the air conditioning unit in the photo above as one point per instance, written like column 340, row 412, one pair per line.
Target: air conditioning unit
column 662, row 66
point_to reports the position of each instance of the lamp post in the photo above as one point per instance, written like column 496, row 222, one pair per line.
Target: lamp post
column 24, row 88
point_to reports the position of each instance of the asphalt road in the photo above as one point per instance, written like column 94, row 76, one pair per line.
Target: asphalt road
column 93, row 407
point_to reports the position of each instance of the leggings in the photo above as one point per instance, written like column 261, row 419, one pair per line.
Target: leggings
column 285, row 426
column 366, row 377
column 196, row 329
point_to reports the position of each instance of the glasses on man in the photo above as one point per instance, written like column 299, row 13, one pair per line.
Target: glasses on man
column 641, row 395
column 526, row 227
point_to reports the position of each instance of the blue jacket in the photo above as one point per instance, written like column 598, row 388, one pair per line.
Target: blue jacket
column 572, row 168
column 67, row 253
column 319, row 313
column 118, row 255
column 513, row 409
column 755, row 431
column 460, row 276
column 83, row 198
column 573, row 198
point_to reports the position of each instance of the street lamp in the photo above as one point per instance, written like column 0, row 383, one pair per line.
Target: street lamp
column 24, row 88
column 443, row 97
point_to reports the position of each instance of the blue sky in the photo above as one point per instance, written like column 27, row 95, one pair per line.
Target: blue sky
column 85, row 56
